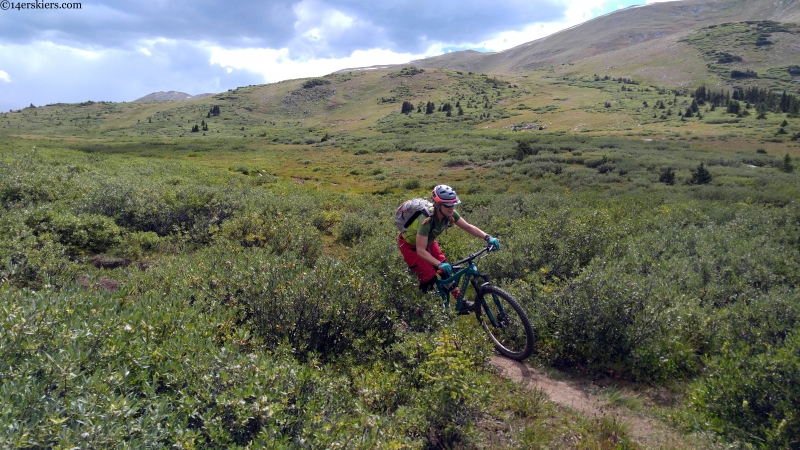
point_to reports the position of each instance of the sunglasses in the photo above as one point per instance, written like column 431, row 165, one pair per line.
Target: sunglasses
column 445, row 205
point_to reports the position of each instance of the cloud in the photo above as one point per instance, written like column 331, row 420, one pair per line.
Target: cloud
column 323, row 28
column 4, row 76
column 49, row 73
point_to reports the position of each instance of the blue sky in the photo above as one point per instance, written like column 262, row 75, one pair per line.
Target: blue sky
column 120, row 51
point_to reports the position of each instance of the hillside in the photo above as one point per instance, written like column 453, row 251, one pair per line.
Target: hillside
column 172, row 96
column 646, row 42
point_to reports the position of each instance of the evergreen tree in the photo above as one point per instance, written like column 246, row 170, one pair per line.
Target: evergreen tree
column 430, row 107
column 407, row 108
column 701, row 175
column 787, row 166
column 460, row 111
column 667, row 176
column 524, row 149
column 195, row 128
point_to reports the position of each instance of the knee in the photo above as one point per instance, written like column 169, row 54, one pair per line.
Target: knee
column 428, row 285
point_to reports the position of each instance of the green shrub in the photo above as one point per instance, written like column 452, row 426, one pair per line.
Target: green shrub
column 452, row 391
column 136, row 245
column 84, row 233
column 752, row 394
column 325, row 221
column 314, row 82
column 411, row 184
column 354, row 227
column 93, row 370
column 163, row 209
column 609, row 320
column 280, row 233
column 31, row 260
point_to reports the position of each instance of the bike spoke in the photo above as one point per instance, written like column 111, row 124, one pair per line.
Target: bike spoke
column 505, row 322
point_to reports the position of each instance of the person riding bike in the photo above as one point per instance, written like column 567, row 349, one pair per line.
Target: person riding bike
column 418, row 243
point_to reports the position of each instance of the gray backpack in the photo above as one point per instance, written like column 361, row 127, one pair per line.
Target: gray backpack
column 410, row 210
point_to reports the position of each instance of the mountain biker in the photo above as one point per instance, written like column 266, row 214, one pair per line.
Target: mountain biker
column 418, row 244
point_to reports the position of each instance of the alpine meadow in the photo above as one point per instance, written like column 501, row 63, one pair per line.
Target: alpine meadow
column 223, row 272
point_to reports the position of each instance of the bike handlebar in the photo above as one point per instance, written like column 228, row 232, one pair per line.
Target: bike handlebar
column 470, row 258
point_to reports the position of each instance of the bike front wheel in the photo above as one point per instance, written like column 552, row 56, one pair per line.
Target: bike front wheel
column 505, row 322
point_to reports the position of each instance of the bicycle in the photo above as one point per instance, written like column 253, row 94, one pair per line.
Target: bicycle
column 500, row 315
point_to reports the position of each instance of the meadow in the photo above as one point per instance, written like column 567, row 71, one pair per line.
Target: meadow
column 239, row 286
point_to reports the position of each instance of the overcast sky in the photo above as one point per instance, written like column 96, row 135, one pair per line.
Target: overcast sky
column 122, row 50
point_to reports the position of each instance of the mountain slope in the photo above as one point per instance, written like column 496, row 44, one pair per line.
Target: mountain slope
column 172, row 96
column 645, row 32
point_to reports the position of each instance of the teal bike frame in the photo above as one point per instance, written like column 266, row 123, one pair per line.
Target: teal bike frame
column 463, row 277
column 500, row 315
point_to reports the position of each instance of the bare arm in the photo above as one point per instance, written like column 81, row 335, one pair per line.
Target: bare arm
column 422, row 250
column 469, row 228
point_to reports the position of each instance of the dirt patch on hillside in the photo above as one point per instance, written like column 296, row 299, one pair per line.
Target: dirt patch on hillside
column 648, row 432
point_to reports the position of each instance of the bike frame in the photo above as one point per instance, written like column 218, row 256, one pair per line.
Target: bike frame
column 463, row 277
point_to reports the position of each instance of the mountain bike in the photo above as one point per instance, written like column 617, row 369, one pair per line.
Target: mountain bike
column 500, row 315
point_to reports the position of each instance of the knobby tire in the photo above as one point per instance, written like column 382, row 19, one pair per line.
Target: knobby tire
column 513, row 337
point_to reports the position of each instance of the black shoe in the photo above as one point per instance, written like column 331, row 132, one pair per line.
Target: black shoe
column 466, row 307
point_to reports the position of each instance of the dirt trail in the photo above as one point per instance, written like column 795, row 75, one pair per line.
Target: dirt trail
column 645, row 431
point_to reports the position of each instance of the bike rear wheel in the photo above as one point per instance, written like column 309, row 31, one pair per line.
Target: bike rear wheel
column 505, row 322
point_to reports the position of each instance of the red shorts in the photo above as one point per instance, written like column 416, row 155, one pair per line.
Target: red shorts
column 424, row 270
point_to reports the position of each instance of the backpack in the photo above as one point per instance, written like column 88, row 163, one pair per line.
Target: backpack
column 409, row 211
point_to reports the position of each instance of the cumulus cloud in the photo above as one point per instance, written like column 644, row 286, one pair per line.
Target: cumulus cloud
column 49, row 73
column 339, row 27
column 111, row 50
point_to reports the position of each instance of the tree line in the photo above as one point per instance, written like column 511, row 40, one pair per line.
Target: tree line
column 767, row 99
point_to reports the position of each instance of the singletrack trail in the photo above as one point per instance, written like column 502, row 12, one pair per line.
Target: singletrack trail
column 647, row 432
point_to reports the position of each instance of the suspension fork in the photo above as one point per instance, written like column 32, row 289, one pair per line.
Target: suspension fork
column 483, row 306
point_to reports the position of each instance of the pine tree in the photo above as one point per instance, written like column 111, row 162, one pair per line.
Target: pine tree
column 407, row 108
column 667, row 176
column 195, row 128
column 787, row 166
column 430, row 108
column 700, row 176
column 524, row 149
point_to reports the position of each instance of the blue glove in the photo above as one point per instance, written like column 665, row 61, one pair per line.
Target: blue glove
column 494, row 243
column 446, row 268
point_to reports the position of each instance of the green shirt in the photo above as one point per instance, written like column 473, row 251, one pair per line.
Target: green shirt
column 432, row 229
